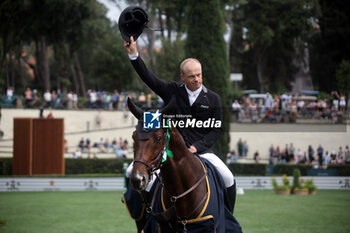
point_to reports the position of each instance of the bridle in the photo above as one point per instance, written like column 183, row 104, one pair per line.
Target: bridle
column 157, row 162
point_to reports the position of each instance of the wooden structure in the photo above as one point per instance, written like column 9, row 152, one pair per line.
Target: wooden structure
column 38, row 146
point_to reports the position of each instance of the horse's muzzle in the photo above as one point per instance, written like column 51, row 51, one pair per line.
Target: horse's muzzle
column 139, row 180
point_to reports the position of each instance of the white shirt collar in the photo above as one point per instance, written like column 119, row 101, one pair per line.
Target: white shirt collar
column 194, row 93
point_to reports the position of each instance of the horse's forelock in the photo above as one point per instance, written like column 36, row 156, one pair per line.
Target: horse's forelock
column 142, row 133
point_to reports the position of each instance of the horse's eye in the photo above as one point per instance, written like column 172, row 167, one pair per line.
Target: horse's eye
column 158, row 139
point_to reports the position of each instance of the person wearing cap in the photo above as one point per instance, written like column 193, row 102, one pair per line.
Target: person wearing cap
column 192, row 99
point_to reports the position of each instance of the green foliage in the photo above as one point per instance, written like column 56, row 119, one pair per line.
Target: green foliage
column 86, row 166
column 343, row 77
column 296, row 177
column 78, row 166
column 168, row 60
column 2, row 221
column 309, row 184
column 289, row 168
column 205, row 41
column 248, row 169
column 343, row 169
column 284, row 186
column 275, row 32
column 329, row 46
column 5, row 166
column 110, row 68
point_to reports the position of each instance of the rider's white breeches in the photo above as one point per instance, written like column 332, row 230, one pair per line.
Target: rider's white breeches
column 224, row 171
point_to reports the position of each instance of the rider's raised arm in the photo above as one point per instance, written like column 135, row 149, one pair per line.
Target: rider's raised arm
column 151, row 80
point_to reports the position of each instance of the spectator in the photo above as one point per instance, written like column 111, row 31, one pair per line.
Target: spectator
column 335, row 99
column 108, row 101
column 240, row 147
column 53, row 99
column 342, row 103
column 81, row 144
column 121, row 102
column 256, row 156
column 101, row 144
column 271, row 153
column 76, row 154
column 115, row 99
column 232, row 157
column 47, row 98
column 50, row 115
column 268, row 101
column 58, row 99
column 327, row 158
column 93, row 99
column 149, row 100
column 340, row 160
column 320, row 155
column 311, row 154
column 299, row 158
column 245, row 149
column 340, row 152
column 236, row 108
column 276, row 155
column 347, row 154
column 142, row 100
column 75, row 100
column 291, row 152
column 333, row 157
column 107, row 145
column 28, row 97
column 9, row 92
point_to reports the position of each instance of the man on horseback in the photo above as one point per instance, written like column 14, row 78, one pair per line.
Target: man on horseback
column 195, row 100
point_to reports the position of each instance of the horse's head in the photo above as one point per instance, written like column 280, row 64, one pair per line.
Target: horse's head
column 149, row 146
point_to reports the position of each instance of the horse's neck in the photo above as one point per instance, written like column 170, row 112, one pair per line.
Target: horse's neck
column 182, row 171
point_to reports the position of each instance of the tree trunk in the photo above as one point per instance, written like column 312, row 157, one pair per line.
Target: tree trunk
column 45, row 68
column 259, row 66
column 79, row 74
column 42, row 58
column 168, row 23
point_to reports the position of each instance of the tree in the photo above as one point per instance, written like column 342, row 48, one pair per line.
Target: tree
column 343, row 78
column 273, row 28
column 330, row 46
column 169, row 58
column 110, row 64
column 205, row 41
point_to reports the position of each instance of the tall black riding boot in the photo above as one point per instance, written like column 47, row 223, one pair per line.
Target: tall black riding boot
column 231, row 191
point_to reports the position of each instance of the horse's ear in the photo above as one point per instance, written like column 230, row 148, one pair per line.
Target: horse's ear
column 135, row 110
column 170, row 107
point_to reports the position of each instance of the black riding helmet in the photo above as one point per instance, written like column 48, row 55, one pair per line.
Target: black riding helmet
column 131, row 22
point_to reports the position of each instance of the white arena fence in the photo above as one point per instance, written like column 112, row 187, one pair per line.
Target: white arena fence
column 13, row 184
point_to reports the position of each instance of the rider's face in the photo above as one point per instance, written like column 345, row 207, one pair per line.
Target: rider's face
column 192, row 75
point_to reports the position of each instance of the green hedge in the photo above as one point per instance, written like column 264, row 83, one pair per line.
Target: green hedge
column 78, row 166
column 250, row 169
column 88, row 166
column 115, row 166
column 5, row 166
column 281, row 169
column 343, row 169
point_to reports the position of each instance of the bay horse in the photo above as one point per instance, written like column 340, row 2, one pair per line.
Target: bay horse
column 190, row 197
